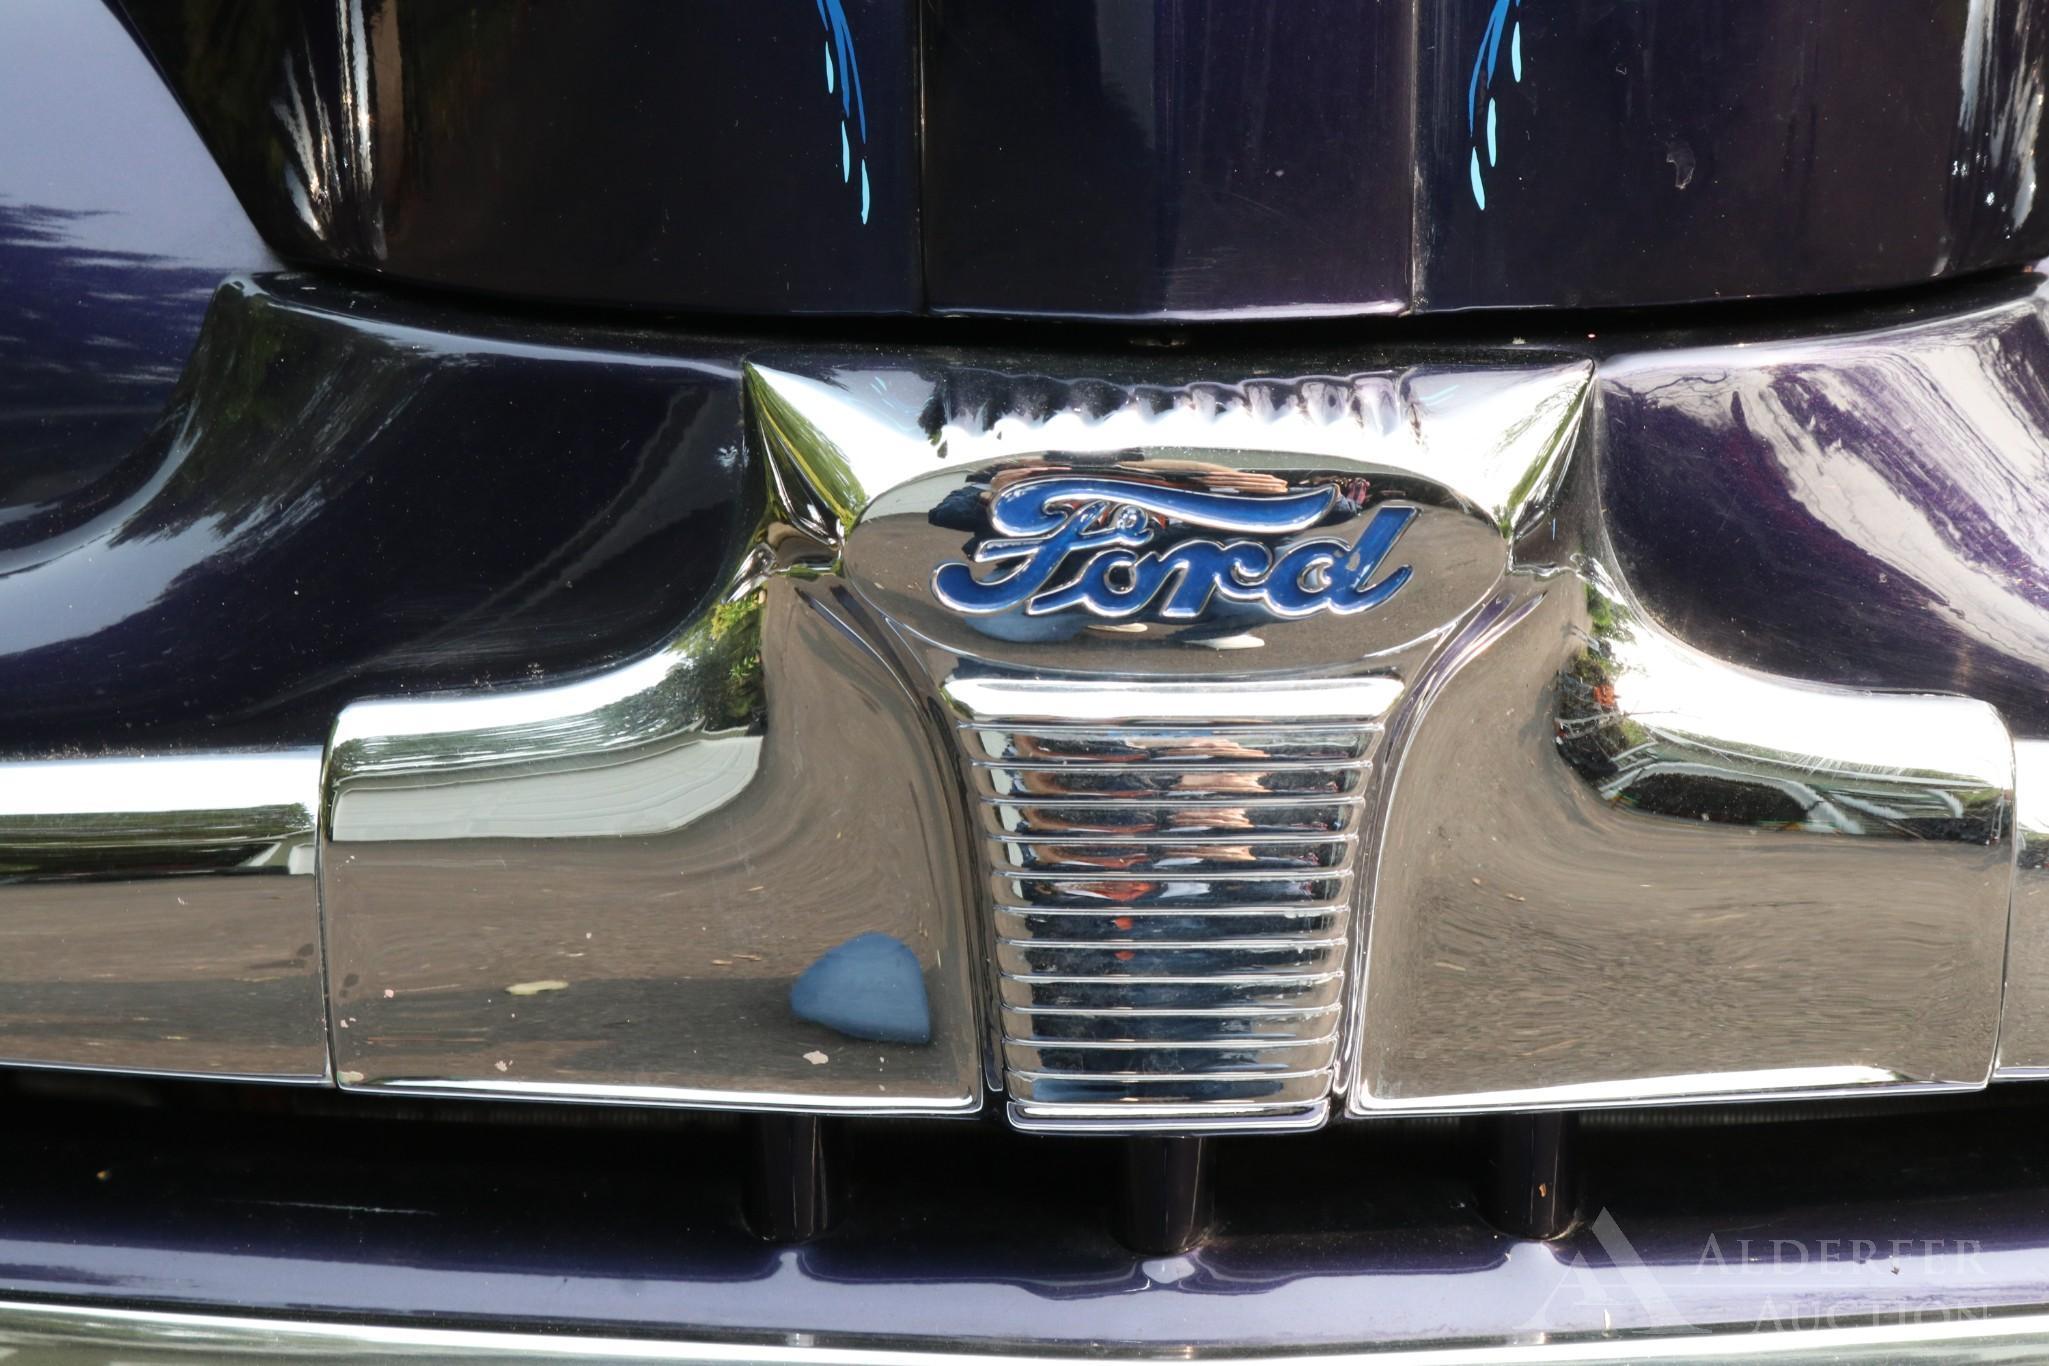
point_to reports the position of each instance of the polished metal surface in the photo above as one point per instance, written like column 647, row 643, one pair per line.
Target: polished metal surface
column 616, row 890
column 1616, row 871
column 1180, row 613
column 1154, row 949
column 47, row 1334
column 2024, row 1027
column 161, row 915
column 1165, row 750
column 1180, row 683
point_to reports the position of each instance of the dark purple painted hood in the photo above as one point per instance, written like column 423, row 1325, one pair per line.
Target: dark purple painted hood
column 1125, row 158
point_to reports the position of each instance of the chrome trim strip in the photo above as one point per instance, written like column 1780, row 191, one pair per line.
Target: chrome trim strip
column 1246, row 817
column 1193, row 1029
column 1173, row 995
column 88, row 1335
column 1277, row 784
column 1158, row 928
column 1184, row 744
column 1037, row 700
column 160, row 915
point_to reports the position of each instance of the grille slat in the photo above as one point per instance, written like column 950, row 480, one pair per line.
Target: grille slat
column 1265, row 818
column 1136, row 1091
column 1169, row 857
column 1168, row 782
column 1146, row 1027
column 1139, row 891
column 1239, row 959
column 1234, row 1059
column 1170, row 993
column 1191, row 746
column 1155, row 927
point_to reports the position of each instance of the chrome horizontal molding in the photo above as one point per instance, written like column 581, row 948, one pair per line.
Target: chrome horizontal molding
column 1135, row 1092
column 91, row 1335
column 1081, row 782
column 1029, row 700
column 1207, row 993
column 1733, row 1086
column 1133, row 1025
column 1157, row 962
column 160, row 915
column 1190, row 745
column 1146, row 926
column 1211, row 815
column 1291, row 1057
column 1194, row 892
column 1212, row 1114
column 1135, row 856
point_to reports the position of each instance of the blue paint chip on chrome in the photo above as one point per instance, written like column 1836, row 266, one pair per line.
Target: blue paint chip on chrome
column 870, row 987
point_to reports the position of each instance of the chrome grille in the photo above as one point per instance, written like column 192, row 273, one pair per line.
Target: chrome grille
column 1171, row 909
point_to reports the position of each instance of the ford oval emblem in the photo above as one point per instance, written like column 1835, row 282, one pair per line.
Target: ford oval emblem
column 1119, row 548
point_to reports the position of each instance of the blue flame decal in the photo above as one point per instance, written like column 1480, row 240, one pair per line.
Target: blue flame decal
column 1505, row 20
column 843, row 78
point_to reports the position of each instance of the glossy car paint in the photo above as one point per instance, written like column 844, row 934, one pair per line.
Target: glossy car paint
column 1650, row 153
column 115, row 227
column 744, row 158
column 339, row 504
column 418, row 501
column 1126, row 158
column 1849, row 508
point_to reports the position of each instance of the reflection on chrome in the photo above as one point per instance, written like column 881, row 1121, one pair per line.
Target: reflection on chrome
column 2024, row 1031
column 649, row 886
column 645, row 749
column 1169, row 818
column 160, row 915
column 858, row 841
column 1696, row 880
column 1657, row 728
column 93, row 1335
column 1156, row 939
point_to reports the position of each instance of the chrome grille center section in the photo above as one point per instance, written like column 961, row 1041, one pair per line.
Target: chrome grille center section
column 1170, row 903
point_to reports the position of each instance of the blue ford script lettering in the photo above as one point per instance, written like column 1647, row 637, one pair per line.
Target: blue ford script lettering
column 1108, row 528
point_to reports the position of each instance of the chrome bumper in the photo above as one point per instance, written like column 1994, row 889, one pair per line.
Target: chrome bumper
column 1503, row 832
column 67, row 1335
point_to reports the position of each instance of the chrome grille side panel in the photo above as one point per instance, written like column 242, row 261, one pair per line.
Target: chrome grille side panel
column 609, row 891
column 1660, row 878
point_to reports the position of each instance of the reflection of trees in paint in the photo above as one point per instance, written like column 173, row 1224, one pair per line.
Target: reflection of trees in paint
column 93, row 339
column 843, row 78
column 1504, row 22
